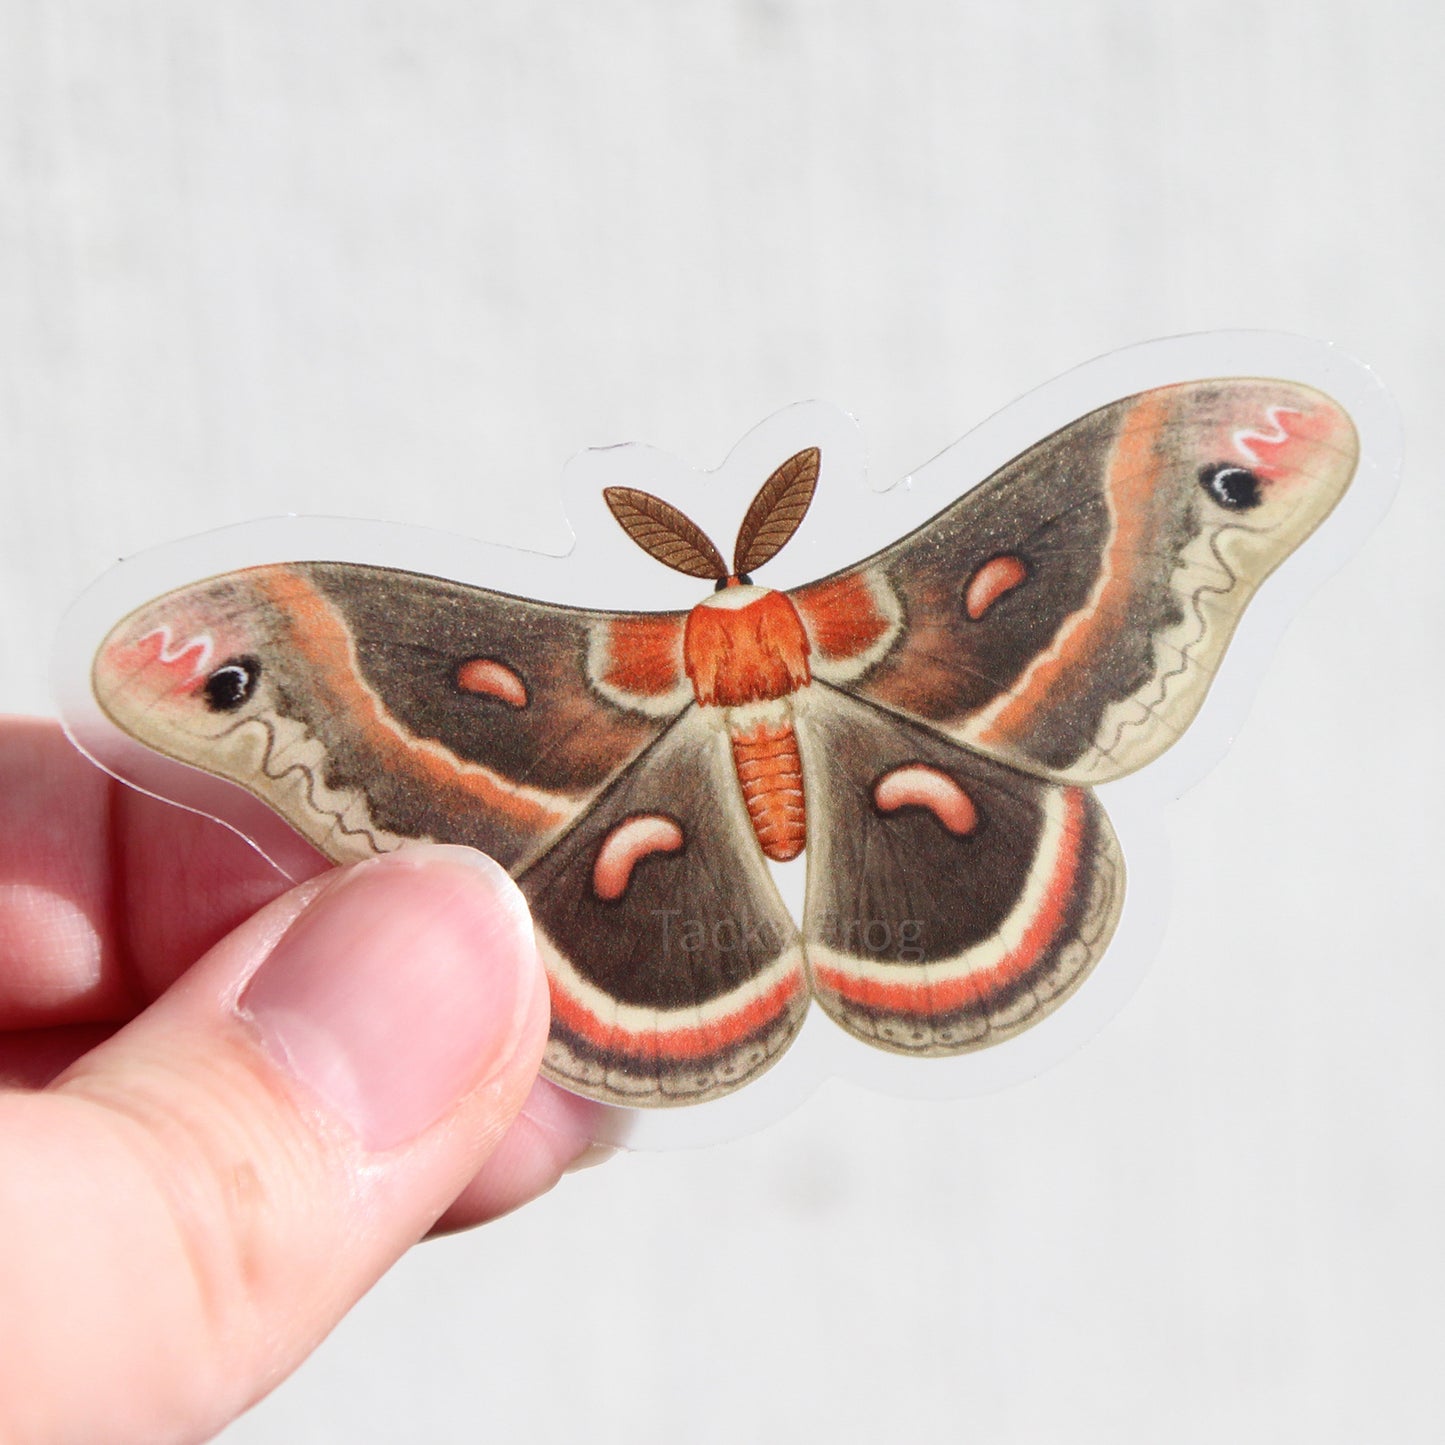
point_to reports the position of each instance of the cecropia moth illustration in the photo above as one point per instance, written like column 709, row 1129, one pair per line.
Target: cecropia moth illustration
column 926, row 724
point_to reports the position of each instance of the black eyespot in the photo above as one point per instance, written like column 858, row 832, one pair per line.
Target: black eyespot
column 721, row 583
column 232, row 683
column 744, row 579
column 1235, row 488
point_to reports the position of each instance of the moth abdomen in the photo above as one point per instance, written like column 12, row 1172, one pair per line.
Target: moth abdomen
column 771, row 774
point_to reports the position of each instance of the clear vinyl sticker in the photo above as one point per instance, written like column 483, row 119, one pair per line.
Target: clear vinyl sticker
column 800, row 778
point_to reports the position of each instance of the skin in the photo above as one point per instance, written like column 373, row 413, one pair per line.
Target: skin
column 175, row 1190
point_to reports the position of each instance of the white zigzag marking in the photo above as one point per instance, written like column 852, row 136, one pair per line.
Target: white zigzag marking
column 1272, row 438
column 202, row 644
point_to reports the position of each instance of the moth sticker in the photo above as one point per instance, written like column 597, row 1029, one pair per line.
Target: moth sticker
column 925, row 727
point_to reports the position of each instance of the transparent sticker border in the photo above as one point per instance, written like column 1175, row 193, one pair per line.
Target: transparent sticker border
column 850, row 519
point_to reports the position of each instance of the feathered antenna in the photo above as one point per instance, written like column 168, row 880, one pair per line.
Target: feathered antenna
column 678, row 542
column 665, row 533
column 777, row 511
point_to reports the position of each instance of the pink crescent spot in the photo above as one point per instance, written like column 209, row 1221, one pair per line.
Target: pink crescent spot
column 492, row 679
column 990, row 582
column 626, row 846
column 922, row 787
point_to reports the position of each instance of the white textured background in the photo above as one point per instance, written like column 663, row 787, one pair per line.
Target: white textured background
column 401, row 260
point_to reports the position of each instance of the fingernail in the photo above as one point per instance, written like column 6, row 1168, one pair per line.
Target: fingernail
column 399, row 989
column 591, row 1157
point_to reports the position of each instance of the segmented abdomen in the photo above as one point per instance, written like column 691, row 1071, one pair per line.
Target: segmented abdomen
column 771, row 774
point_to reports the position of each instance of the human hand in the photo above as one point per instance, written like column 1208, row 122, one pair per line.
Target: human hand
column 204, row 1164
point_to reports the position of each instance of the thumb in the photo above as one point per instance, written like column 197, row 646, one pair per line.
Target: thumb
column 193, row 1206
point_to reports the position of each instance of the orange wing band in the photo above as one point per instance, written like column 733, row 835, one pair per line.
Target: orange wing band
column 682, row 1042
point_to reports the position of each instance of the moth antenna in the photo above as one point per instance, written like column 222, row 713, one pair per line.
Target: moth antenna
column 665, row 533
column 777, row 511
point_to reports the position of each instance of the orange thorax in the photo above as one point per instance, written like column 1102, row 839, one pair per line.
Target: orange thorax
column 738, row 654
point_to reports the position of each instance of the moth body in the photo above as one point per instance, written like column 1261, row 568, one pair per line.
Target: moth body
column 745, row 650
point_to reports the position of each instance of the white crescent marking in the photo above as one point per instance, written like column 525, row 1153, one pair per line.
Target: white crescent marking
column 626, row 846
column 924, row 787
